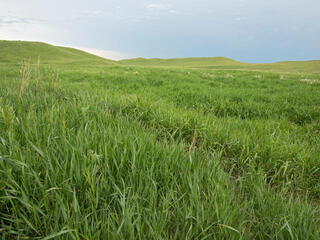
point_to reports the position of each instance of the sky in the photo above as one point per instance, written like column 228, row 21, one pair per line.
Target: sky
column 245, row 30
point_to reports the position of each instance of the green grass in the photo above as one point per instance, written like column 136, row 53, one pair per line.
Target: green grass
column 183, row 62
column 17, row 51
column 222, row 63
column 112, row 151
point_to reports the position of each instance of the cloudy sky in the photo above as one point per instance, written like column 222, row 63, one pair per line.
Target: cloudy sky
column 246, row 30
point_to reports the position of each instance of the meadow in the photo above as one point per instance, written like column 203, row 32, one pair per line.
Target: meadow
column 98, row 149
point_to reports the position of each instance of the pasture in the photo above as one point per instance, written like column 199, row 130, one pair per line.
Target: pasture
column 98, row 149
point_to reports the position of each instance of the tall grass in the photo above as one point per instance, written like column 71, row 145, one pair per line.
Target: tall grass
column 25, row 77
column 111, row 154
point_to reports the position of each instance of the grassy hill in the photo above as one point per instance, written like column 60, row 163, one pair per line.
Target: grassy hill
column 183, row 62
column 116, row 151
column 227, row 63
column 17, row 51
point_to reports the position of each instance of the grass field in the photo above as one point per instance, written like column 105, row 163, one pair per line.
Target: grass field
column 222, row 63
column 98, row 149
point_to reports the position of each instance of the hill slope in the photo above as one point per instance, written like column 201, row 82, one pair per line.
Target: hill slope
column 184, row 62
column 16, row 51
column 227, row 63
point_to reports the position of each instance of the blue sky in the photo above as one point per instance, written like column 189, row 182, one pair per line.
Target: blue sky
column 245, row 30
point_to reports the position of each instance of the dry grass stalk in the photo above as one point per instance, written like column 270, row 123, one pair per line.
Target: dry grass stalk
column 38, row 74
column 25, row 73
column 54, row 79
column 194, row 141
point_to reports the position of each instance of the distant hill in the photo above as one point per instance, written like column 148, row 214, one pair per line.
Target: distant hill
column 227, row 63
column 184, row 62
column 17, row 51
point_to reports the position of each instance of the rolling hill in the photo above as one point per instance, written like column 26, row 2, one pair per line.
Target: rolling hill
column 17, row 51
column 184, row 62
column 227, row 63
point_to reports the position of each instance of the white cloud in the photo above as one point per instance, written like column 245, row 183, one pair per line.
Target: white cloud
column 92, row 13
column 160, row 9
column 17, row 29
column 174, row 11
column 11, row 19
column 114, row 55
column 157, row 6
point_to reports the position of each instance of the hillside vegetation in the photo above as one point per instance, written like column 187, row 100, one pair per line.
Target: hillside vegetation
column 111, row 151
column 184, row 62
column 227, row 63
column 17, row 51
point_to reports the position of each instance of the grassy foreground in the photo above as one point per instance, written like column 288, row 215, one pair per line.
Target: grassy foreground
column 109, row 151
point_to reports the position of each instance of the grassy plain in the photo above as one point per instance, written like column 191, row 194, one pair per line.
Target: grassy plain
column 106, row 150
column 222, row 63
